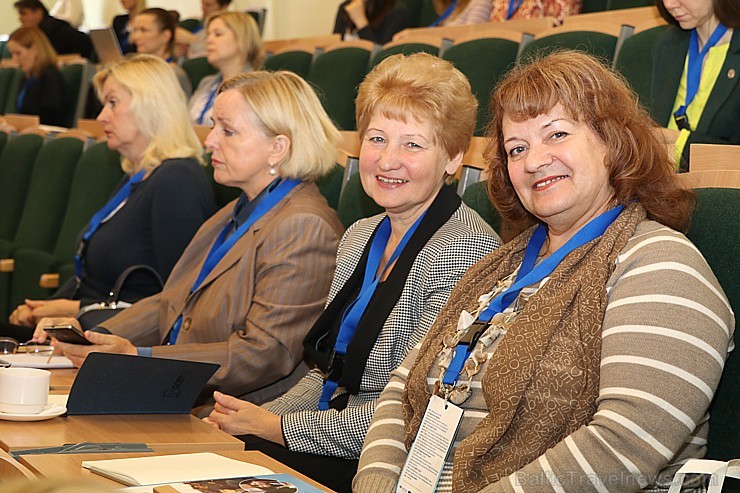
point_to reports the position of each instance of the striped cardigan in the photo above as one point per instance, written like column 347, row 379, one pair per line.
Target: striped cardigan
column 665, row 337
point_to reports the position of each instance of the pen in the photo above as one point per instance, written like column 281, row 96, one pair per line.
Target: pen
column 51, row 355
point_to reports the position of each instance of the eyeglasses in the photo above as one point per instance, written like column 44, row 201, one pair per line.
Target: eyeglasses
column 8, row 345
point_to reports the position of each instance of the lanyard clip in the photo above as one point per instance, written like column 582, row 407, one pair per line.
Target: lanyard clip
column 682, row 121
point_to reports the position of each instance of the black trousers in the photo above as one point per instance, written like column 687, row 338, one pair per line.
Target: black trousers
column 332, row 472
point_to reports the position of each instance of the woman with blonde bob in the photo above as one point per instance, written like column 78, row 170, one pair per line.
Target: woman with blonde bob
column 147, row 223
column 565, row 383
column 255, row 276
column 233, row 46
column 415, row 117
column 43, row 91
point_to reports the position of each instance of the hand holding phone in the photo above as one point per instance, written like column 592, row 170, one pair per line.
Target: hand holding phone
column 67, row 333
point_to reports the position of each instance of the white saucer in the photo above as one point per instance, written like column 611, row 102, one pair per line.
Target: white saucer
column 52, row 410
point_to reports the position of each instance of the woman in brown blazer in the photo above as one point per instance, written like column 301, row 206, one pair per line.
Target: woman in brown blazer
column 255, row 277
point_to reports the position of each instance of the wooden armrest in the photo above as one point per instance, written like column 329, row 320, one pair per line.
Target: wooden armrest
column 7, row 265
column 49, row 281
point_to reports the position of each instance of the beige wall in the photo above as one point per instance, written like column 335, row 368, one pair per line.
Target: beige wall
column 285, row 18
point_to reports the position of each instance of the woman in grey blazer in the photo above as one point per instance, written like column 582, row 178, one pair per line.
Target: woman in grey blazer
column 415, row 117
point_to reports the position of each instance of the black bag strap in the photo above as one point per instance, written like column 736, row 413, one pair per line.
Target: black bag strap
column 121, row 281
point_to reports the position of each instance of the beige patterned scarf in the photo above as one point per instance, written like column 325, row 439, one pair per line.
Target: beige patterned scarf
column 570, row 305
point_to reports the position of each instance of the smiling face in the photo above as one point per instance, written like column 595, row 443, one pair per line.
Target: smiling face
column 556, row 165
column 148, row 38
column 690, row 13
column 241, row 152
column 221, row 46
column 120, row 128
column 24, row 57
column 401, row 167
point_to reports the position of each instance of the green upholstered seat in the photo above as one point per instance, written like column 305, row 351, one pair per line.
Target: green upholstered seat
column 330, row 185
column 635, row 62
column 197, row 68
column 335, row 76
column 483, row 61
column 3, row 140
column 191, row 25
column 76, row 88
column 595, row 43
column 476, row 197
column 594, row 6
column 629, row 4
column 16, row 165
column 298, row 62
column 354, row 203
column 7, row 74
column 14, row 86
column 405, row 48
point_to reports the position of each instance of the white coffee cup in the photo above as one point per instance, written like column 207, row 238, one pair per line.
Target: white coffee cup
column 23, row 390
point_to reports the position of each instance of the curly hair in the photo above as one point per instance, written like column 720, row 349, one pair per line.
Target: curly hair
column 638, row 162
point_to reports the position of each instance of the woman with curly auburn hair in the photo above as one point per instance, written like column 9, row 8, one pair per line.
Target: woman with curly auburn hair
column 549, row 361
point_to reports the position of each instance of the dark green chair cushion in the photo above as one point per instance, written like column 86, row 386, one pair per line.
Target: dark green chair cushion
column 29, row 266
column 72, row 75
column 197, row 68
column 14, row 86
column 629, row 4
column 483, row 61
column 635, row 62
column 594, row 6
column 335, row 76
column 298, row 62
column 476, row 197
column 191, row 25
column 16, row 165
column 715, row 230
column 595, row 43
column 354, row 203
column 406, row 49
column 3, row 141
column 330, row 185
column 7, row 75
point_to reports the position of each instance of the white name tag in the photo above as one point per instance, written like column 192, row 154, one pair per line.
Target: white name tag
column 427, row 456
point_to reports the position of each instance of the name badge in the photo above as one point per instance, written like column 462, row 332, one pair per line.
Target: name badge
column 427, row 456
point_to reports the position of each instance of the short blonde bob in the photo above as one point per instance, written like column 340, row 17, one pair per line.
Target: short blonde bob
column 636, row 158
column 282, row 103
column 158, row 107
column 425, row 88
column 247, row 35
column 34, row 38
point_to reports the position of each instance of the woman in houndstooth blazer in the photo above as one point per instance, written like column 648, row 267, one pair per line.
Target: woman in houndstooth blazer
column 415, row 116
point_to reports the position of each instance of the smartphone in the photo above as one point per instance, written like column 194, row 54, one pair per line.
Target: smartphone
column 67, row 333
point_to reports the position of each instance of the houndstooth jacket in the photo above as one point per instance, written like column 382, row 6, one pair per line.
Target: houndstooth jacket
column 459, row 243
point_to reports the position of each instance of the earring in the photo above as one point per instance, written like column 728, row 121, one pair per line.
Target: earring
column 272, row 170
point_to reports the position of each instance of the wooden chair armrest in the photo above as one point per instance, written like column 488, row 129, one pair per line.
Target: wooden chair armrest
column 49, row 281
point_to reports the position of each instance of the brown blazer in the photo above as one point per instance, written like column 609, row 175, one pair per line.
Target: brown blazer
column 251, row 313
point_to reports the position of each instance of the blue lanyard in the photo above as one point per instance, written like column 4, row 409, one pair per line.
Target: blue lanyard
column 222, row 245
column 513, row 7
column 356, row 309
column 528, row 275
column 693, row 72
column 209, row 101
column 445, row 14
column 22, row 94
column 114, row 203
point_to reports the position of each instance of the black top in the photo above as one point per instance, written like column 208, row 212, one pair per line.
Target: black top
column 64, row 38
column 159, row 219
column 120, row 27
column 45, row 96
column 397, row 19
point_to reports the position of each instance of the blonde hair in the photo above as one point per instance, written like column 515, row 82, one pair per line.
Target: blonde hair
column 284, row 104
column 34, row 38
column 247, row 35
column 425, row 88
column 158, row 107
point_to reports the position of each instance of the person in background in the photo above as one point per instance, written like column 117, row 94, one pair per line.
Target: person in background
column 374, row 20
column 461, row 12
column 504, row 10
column 70, row 11
column 233, row 46
column 147, row 222
column 195, row 41
column 703, row 107
column 255, row 277
column 153, row 33
column 122, row 23
column 64, row 38
column 415, row 116
column 550, row 356
column 42, row 91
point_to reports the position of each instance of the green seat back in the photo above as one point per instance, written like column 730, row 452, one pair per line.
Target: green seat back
column 354, row 203
column 4, row 52
column 415, row 8
column 298, row 62
column 406, row 49
column 629, row 4
column 715, row 230
column 3, row 140
column 635, row 62
column 330, row 185
column 30, row 264
column 6, row 78
column 589, row 6
column 16, row 165
column 428, row 14
column 197, row 68
column 476, row 197
column 14, row 87
column 595, row 43
column 72, row 75
column 483, row 61
column 335, row 76
column 190, row 24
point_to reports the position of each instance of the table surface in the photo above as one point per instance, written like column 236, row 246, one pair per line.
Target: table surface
column 71, row 465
